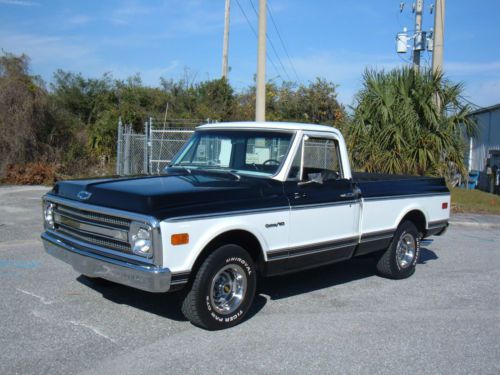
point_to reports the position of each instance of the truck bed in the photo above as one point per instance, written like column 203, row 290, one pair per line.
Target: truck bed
column 378, row 185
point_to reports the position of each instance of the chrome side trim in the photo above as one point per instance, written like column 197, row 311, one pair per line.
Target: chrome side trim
column 405, row 196
column 326, row 204
column 257, row 211
column 149, row 278
column 228, row 213
column 298, row 251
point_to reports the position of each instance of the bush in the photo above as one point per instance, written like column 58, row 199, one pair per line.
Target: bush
column 37, row 173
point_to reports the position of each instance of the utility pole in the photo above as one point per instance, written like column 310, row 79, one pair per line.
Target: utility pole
column 417, row 42
column 260, row 97
column 225, row 45
column 437, row 54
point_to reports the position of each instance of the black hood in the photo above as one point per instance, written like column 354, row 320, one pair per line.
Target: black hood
column 183, row 194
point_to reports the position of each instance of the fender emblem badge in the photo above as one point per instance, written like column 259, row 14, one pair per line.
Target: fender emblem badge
column 84, row 195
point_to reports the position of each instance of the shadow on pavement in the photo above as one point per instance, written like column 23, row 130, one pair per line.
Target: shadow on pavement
column 426, row 255
column 325, row 277
column 168, row 305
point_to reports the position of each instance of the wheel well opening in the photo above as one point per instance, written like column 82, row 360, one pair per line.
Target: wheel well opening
column 418, row 218
column 237, row 237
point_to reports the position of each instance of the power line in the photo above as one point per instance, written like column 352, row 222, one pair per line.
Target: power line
column 272, row 45
column 255, row 33
column 282, row 42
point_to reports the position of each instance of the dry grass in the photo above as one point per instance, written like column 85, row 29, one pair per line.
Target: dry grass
column 474, row 201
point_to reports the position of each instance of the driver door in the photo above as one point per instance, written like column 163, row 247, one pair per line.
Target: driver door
column 324, row 206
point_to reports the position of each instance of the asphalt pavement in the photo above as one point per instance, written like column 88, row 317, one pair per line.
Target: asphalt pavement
column 336, row 319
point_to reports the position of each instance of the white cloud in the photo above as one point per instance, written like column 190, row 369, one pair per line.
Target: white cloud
column 22, row 3
column 483, row 93
column 43, row 48
column 78, row 20
column 125, row 14
column 458, row 67
column 149, row 76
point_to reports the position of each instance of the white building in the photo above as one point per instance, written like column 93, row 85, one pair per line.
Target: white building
column 486, row 139
column 484, row 148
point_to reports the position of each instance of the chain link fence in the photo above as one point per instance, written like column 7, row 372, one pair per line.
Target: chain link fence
column 151, row 151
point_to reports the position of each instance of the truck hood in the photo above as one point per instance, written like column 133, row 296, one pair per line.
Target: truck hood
column 176, row 195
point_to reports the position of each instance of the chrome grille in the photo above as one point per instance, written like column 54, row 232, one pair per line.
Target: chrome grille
column 96, row 240
column 93, row 216
column 103, row 230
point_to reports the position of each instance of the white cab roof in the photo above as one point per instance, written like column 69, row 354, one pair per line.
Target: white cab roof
column 268, row 125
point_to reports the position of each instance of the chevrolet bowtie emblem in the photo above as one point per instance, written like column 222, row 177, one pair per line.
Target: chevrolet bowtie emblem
column 84, row 195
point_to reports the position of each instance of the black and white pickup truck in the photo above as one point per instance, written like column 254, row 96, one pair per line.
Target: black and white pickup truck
column 239, row 201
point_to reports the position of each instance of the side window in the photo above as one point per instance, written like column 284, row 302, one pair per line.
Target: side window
column 321, row 156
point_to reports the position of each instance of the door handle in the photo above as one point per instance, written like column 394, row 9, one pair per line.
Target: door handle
column 356, row 193
column 348, row 195
column 299, row 195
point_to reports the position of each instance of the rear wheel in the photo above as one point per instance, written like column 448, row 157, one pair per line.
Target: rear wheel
column 400, row 259
column 223, row 289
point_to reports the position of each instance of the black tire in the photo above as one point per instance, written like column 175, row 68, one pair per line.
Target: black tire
column 200, row 306
column 390, row 264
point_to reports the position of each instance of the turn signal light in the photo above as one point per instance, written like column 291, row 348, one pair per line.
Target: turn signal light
column 179, row 239
column 444, row 205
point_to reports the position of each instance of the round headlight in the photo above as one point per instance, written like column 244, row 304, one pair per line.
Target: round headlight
column 141, row 240
column 142, row 247
column 143, row 234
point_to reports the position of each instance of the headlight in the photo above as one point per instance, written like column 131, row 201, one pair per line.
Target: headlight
column 141, row 239
column 48, row 214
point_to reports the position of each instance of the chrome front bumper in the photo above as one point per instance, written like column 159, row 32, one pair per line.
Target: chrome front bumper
column 144, row 277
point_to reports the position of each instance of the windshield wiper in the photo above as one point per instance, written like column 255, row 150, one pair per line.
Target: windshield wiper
column 181, row 167
column 213, row 168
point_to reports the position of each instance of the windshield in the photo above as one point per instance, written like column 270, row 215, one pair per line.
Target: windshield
column 254, row 152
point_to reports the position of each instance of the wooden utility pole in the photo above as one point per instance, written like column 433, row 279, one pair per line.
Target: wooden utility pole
column 260, row 97
column 419, row 6
column 437, row 53
column 225, row 45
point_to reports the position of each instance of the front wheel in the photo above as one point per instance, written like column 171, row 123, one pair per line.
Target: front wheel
column 223, row 289
column 400, row 259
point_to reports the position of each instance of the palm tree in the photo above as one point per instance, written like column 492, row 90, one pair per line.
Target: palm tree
column 398, row 128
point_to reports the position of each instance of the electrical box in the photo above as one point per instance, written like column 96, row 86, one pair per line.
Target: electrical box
column 402, row 42
column 419, row 41
column 430, row 41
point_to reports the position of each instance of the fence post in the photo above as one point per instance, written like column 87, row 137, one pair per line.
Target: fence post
column 146, row 151
column 119, row 151
column 150, row 145
column 126, row 151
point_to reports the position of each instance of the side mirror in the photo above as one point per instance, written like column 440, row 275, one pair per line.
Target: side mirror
column 317, row 178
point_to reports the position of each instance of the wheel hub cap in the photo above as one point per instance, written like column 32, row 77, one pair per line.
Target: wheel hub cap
column 406, row 250
column 228, row 289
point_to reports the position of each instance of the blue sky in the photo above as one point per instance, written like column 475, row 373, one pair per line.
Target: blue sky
column 333, row 39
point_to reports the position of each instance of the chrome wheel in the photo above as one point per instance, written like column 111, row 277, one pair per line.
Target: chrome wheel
column 406, row 250
column 228, row 289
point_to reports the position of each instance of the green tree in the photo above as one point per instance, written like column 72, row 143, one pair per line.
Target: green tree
column 398, row 128
column 32, row 126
